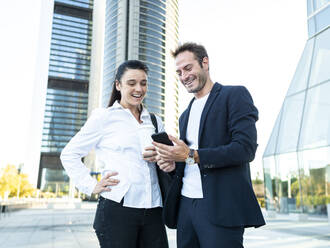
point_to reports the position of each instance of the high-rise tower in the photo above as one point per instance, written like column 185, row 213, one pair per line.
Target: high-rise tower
column 68, row 81
column 146, row 30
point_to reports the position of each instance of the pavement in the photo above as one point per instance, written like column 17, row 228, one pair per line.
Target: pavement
column 70, row 226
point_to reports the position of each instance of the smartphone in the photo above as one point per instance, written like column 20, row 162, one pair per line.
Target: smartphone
column 162, row 137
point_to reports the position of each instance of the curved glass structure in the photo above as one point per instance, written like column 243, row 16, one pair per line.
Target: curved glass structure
column 146, row 30
column 297, row 158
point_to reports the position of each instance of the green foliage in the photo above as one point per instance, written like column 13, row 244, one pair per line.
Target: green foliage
column 313, row 200
column 47, row 195
column 261, row 201
column 11, row 182
column 257, row 181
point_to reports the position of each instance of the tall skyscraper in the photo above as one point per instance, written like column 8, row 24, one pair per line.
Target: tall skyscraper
column 67, row 90
column 146, row 30
column 297, row 158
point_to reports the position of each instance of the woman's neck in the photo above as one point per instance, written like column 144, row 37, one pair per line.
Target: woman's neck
column 135, row 110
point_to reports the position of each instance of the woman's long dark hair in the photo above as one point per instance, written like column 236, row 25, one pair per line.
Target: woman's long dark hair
column 129, row 64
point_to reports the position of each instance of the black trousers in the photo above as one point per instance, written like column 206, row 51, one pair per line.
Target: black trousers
column 194, row 229
column 117, row 226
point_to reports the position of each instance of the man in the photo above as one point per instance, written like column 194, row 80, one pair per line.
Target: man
column 217, row 142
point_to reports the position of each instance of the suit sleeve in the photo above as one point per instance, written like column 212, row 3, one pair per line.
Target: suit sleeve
column 242, row 116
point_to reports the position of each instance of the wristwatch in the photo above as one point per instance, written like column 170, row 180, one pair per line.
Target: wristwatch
column 190, row 159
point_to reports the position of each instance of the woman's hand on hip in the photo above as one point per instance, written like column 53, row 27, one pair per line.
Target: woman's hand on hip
column 102, row 185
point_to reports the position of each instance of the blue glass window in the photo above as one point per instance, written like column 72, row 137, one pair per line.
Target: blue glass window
column 153, row 7
column 152, row 13
column 79, row 3
column 71, row 40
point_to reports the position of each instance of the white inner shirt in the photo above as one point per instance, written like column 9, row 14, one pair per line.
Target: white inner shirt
column 113, row 134
column 192, row 183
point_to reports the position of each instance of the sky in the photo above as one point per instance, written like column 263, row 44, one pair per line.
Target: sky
column 17, row 63
column 255, row 43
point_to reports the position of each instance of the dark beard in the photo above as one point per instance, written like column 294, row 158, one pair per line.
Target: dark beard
column 201, row 83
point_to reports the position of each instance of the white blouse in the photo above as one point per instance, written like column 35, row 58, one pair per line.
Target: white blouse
column 113, row 134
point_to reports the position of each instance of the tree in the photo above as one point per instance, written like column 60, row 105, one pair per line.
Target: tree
column 10, row 180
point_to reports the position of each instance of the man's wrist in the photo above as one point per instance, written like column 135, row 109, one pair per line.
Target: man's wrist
column 190, row 159
column 186, row 154
column 196, row 157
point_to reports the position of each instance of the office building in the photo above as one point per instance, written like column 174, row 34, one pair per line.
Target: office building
column 297, row 158
column 67, row 91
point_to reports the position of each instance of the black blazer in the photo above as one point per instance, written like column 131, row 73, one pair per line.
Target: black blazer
column 227, row 143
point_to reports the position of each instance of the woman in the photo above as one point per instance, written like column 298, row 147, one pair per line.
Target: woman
column 128, row 214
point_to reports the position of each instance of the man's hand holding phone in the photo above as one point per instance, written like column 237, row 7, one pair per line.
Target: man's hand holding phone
column 163, row 138
column 177, row 152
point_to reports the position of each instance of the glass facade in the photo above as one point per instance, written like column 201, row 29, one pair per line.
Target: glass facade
column 318, row 15
column 111, row 47
column 151, row 22
column 70, row 47
column 66, row 112
column 152, row 51
column 78, row 3
column 297, row 158
column 67, row 91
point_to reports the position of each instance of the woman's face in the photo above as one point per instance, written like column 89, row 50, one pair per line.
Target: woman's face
column 132, row 87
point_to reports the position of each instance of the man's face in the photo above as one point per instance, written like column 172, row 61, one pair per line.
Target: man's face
column 191, row 74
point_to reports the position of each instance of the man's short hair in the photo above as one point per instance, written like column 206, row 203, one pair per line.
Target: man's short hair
column 199, row 51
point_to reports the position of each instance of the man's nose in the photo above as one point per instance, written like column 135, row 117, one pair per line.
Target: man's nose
column 184, row 76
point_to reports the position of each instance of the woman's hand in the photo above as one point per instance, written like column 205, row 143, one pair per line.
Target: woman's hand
column 166, row 166
column 106, row 181
column 150, row 154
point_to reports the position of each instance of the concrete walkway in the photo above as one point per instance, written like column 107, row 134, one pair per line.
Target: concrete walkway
column 57, row 226
column 64, row 227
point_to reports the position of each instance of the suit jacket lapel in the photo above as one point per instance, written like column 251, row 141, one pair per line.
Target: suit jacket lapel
column 184, row 122
column 185, row 117
column 213, row 94
column 183, row 135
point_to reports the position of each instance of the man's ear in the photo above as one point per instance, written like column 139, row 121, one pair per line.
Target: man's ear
column 205, row 63
column 117, row 85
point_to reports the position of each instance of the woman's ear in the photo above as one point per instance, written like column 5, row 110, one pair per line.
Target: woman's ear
column 117, row 85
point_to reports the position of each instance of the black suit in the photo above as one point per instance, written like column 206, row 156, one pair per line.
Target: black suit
column 227, row 143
